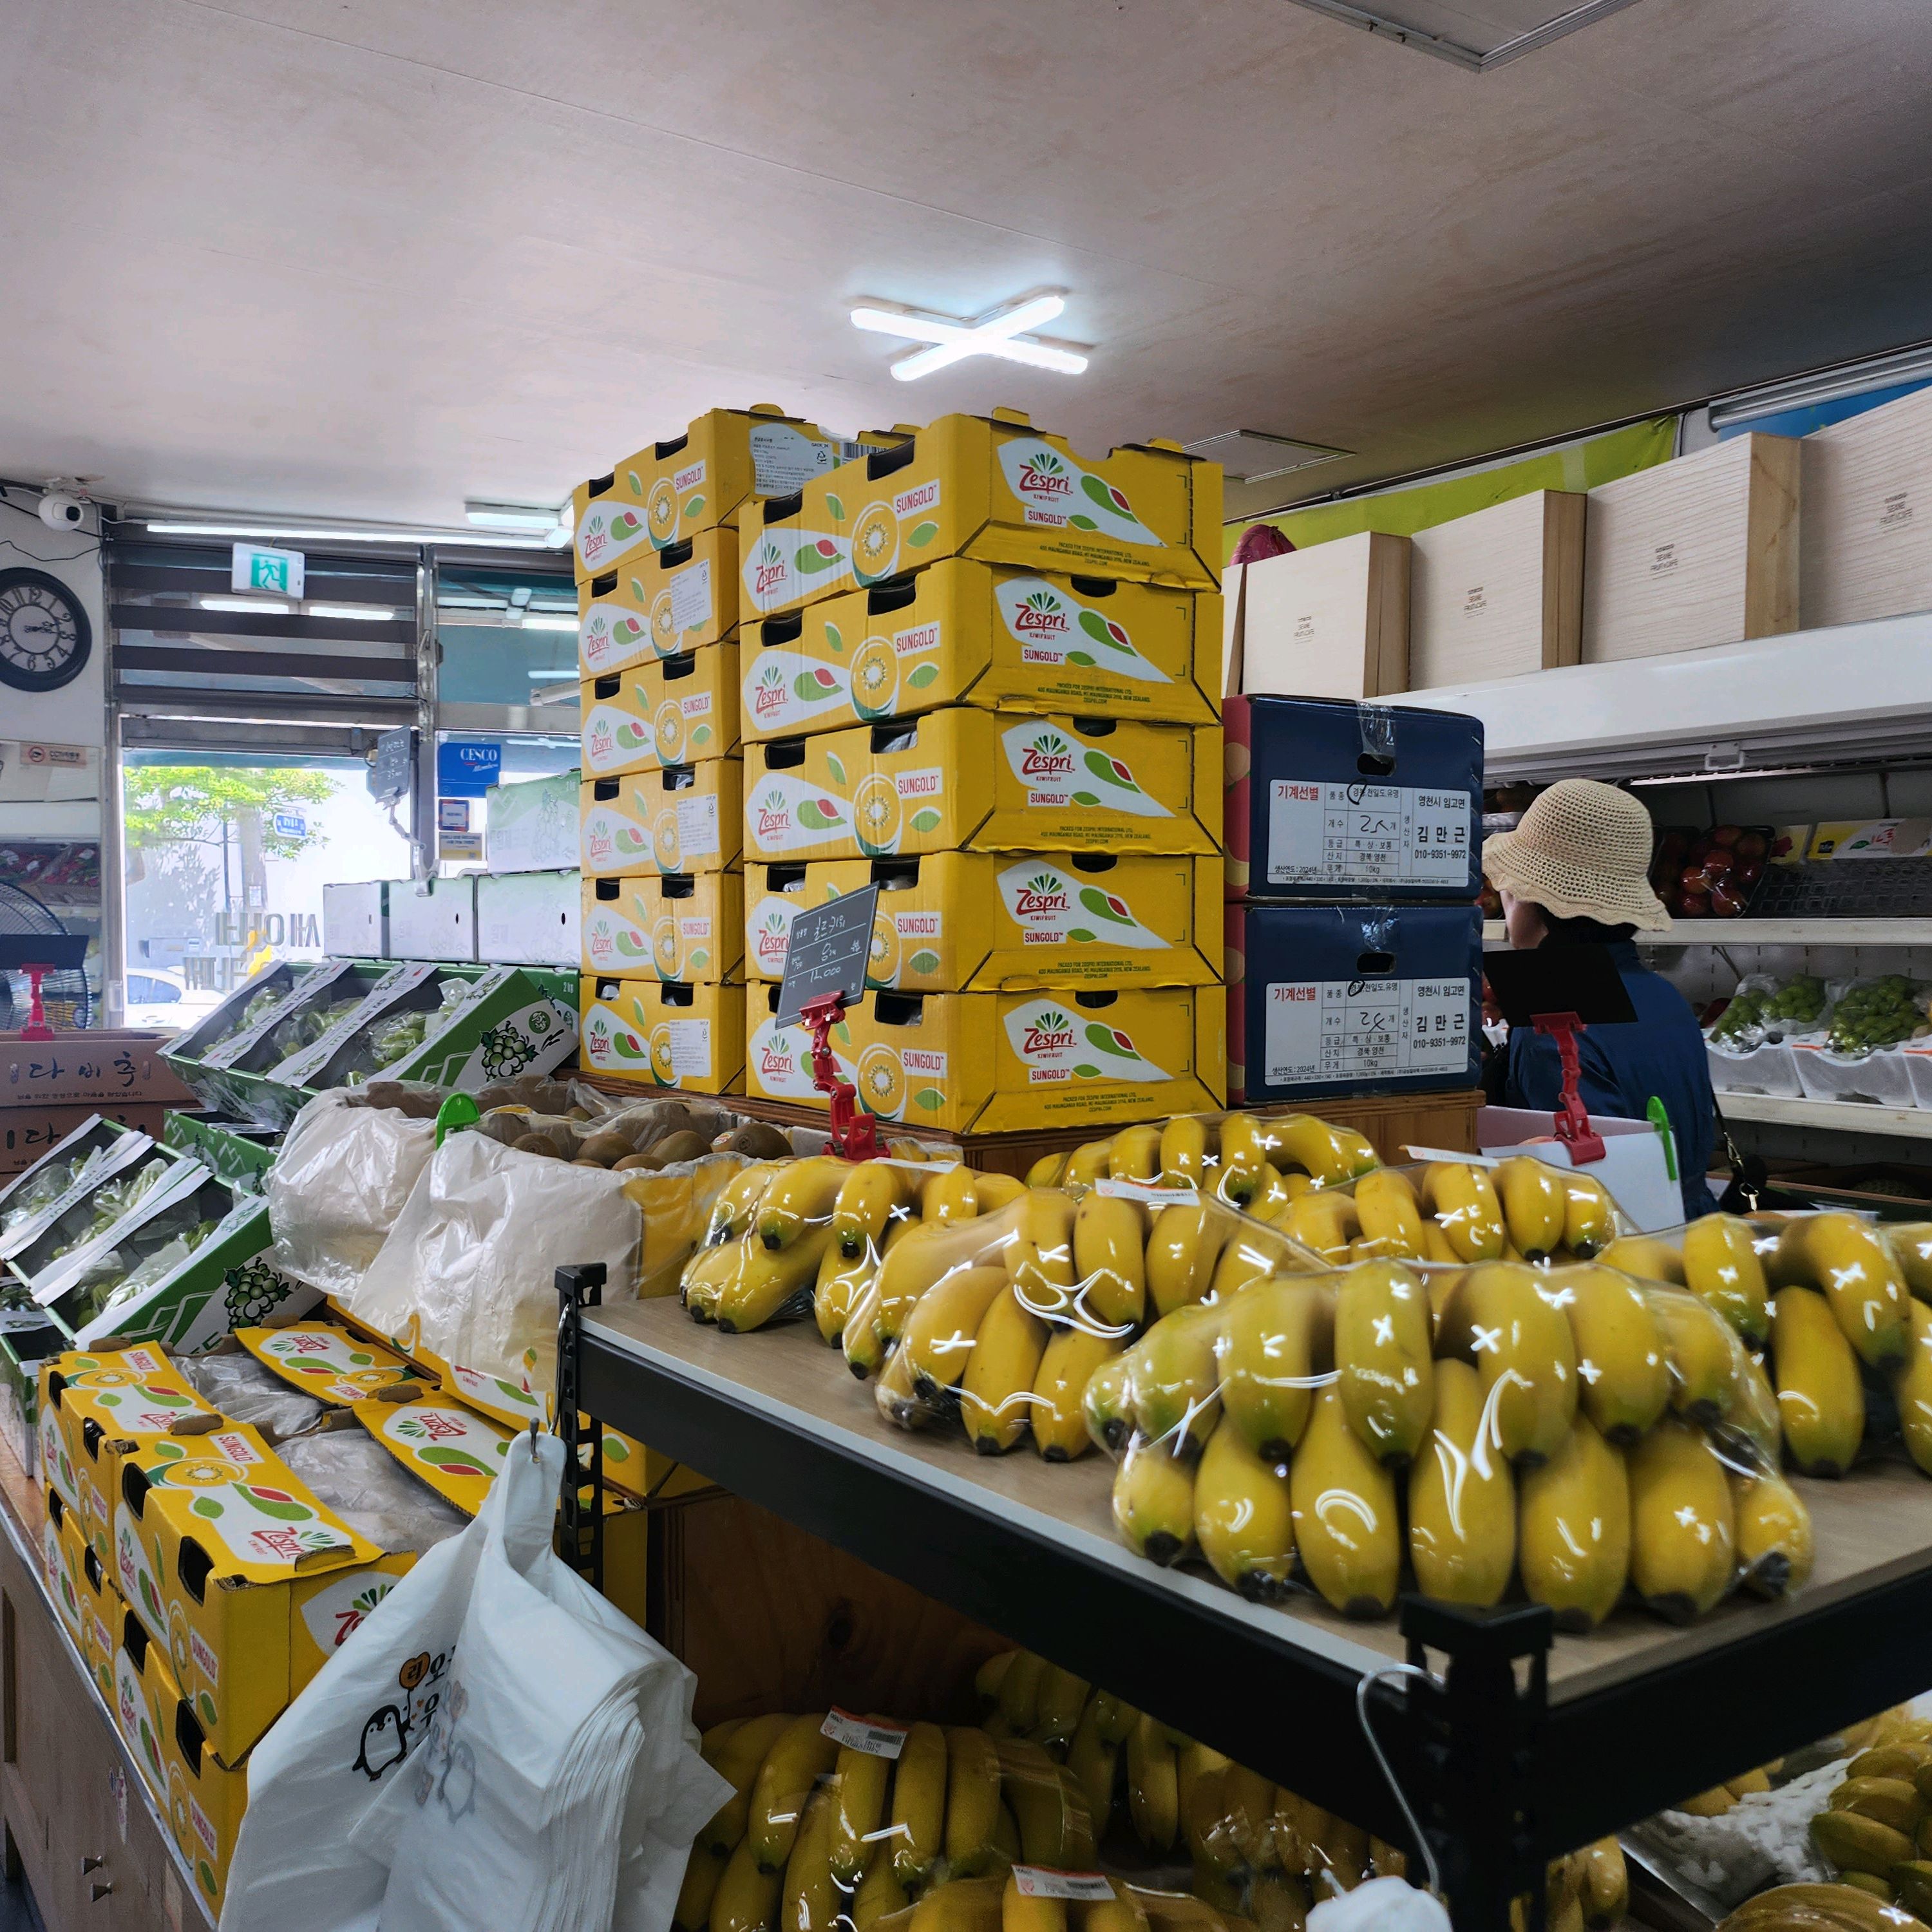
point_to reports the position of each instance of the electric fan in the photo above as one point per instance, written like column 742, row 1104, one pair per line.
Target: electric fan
column 33, row 938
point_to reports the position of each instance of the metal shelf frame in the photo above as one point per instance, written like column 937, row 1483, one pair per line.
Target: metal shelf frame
column 1502, row 1774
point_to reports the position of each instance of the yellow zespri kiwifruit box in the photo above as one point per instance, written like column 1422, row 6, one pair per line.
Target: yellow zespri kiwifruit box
column 206, row 1800
column 685, row 925
column 218, row 1546
column 680, row 818
column 969, row 922
column 668, row 491
column 984, row 781
column 145, row 1699
column 774, row 897
column 663, row 1033
column 987, row 634
column 325, row 1361
column 659, row 603
column 992, row 487
column 778, row 1060
column 102, row 1402
column 1013, row 1062
column 670, row 711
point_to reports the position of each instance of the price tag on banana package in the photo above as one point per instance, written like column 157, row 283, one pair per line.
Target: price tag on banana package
column 864, row 1734
column 1150, row 1192
column 1040, row 1882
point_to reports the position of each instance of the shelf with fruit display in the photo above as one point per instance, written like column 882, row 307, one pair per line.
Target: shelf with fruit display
column 1748, row 931
column 1850, row 1117
column 1034, row 1545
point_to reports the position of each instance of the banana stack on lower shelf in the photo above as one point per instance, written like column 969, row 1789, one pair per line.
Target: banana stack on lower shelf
column 1876, row 1831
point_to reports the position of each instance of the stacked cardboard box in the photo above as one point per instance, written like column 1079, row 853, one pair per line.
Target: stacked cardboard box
column 662, row 799
column 1354, row 941
column 982, row 672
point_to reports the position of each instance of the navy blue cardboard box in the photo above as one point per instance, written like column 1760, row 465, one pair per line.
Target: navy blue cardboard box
column 1327, row 800
column 1355, row 999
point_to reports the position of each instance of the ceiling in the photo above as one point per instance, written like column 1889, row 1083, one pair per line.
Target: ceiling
column 368, row 257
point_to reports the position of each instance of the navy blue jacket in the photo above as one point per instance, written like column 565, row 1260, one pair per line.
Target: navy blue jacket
column 1623, row 1065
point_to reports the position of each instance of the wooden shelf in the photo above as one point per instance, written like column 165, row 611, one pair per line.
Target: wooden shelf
column 1771, row 932
column 1029, row 1549
column 1847, row 1117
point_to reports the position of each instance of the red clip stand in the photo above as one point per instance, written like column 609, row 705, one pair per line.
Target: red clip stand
column 854, row 1135
column 37, row 1026
column 1573, row 1118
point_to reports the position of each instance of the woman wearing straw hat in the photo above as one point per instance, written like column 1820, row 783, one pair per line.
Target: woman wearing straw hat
column 1574, row 872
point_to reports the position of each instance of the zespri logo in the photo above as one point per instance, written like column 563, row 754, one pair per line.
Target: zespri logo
column 1043, row 896
column 776, row 1063
column 771, row 938
column 769, row 569
column 1051, row 1031
column 1043, row 476
column 1048, row 755
column 769, row 693
column 1039, row 614
column 771, row 815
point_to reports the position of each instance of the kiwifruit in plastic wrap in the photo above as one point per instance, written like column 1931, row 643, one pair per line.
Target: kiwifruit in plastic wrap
column 541, row 1144
column 605, row 1149
column 761, row 1140
column 682, row 1145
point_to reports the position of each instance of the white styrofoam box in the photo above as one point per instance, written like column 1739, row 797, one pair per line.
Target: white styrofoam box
column 1769, row 1069
column 433, row 919
column 1867, row 533
column 1498, row 592
column 1633, row 1168
column 1699, row 552
column 530, row 919
column 1880, row 1078
column 355, row 920
column 1918, row 1071
column 1330, row 621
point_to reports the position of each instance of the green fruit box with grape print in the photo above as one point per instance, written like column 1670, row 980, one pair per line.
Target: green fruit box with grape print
column 985, row 780
column 991, row 487
column 987, row 635
column 242, row 1576
column 972, row 922
column 430, row 1024
column 1016, row 1062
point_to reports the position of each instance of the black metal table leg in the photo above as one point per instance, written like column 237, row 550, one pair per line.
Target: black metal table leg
column 581, row 1505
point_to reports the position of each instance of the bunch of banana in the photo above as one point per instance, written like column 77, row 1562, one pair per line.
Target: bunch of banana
column 1817, row 1908
column 1253, row 1162
column 1874, row 1831
column 1588, row 1889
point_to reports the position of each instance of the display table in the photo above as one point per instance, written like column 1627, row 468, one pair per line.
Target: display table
column 80, row 1825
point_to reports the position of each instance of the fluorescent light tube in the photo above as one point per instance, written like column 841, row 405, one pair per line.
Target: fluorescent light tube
column 259, row 606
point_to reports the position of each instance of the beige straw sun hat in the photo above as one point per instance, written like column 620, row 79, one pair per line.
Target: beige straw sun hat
column 1582, row 851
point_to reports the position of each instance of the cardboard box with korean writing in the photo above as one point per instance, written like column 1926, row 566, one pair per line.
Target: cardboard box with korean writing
column 668, row 491
column 665, row 1033
column 987, row 634
column 657, row 603
column 1357, row 999
column 217, row 1545
column 105, row 1067
column 1329, row 800
column 687, row 818
column 968, row 922
column 680, row 925
column 672, row 711
column 991, row 488
column 984, row 781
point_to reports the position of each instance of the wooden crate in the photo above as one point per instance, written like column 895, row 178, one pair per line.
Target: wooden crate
column 1497, row 593
column 1390, row 1121
column 1868, row 505
column 1704, row 550
column 1331, row 621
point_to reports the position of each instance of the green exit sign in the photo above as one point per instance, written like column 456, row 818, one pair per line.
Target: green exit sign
column 282, row 572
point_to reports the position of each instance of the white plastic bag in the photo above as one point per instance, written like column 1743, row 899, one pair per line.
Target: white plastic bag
column 398, row 1787
column 341, row 1180
column 469, row 1269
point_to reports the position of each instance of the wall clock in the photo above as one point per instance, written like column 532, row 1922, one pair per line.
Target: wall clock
column 44, row 634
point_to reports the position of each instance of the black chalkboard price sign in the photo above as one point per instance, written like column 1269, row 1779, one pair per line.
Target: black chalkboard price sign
column 826, row 957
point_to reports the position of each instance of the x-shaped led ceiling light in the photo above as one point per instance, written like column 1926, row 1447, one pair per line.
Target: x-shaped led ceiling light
column 1000, row 332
